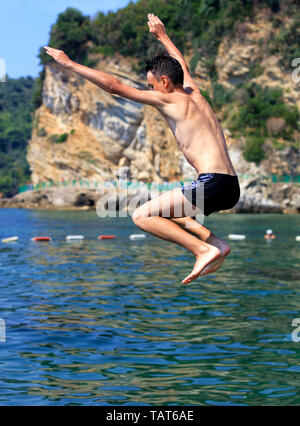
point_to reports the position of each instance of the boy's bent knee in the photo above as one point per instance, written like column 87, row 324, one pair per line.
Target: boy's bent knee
column 138, row 216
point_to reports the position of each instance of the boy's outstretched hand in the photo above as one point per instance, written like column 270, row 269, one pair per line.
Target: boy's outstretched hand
column 59, row 56
column 155, row 25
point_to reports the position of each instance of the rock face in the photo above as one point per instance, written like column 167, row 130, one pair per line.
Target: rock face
column 239, row 56
column 110, row 137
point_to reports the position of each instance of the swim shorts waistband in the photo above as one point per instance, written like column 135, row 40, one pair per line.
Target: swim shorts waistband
column 209, row 177
column 216, row 174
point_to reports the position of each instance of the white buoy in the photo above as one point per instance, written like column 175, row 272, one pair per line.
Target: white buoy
column 236, row 237
column 74, row 237
column 9, row 240
column 137, row 236
column 298, row 238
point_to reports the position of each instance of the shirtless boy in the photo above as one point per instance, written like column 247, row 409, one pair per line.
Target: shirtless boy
column 199, row 136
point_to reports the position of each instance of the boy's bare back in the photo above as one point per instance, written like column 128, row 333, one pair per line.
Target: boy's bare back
column 197, row 132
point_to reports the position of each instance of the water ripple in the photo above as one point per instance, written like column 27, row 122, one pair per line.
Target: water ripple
column 108, row 322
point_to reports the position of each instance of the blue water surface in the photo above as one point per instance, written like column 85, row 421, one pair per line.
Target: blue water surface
column 107, row 322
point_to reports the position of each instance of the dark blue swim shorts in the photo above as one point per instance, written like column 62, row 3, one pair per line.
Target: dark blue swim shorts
column 213, row 192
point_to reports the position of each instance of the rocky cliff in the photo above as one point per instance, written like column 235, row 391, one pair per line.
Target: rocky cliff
column 112, row 135
column 108, row 136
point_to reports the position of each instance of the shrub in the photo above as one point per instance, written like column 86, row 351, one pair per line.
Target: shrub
column 264, row 114
column 205, row 94
column 87, row 156
column 63, row 137
column 16, row 113
column 71, row 33
column 286, row 41
column 37, row 97
column 41, row 132
column 6, row 183
column 241, row 96
column 221, row 96
column 58, row 138
column 255, row 70
column 194, row 60
column 262, row 104
column 253, row 150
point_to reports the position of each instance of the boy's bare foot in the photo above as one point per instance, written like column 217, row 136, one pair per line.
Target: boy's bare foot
column 202, row 260
column 224, row 249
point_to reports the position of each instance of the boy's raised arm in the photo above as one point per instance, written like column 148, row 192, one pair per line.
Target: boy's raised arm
column 157, row 28
column 105, row 81
column 108, row 82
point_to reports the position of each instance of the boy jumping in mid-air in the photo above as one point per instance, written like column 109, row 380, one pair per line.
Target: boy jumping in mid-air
column 199, row 136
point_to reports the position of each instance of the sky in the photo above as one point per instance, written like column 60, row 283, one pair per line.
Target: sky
column 25, row 27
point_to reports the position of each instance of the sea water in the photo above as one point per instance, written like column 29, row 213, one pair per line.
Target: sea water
column 108, row 322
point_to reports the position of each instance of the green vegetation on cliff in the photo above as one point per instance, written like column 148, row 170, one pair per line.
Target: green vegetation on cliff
column 71, row 33
column 190, row 23
column 254, row 106
column 16, row 112
column 199, row 25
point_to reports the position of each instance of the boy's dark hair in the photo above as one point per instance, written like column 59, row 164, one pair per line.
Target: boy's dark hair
column 164, row 64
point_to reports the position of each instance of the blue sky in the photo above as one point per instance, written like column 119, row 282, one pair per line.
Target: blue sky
column 25, row 26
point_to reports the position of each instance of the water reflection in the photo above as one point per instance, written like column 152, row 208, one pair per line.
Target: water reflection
column 108, row 322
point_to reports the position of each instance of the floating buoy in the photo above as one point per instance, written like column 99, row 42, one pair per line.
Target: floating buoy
column 9, row 239
column 236, row 237
column 74, row 237
column 298, row 238
column 40, row 239
column 106, row 237
column 137, row 236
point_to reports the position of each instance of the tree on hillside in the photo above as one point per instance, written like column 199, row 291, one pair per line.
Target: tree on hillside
column 70, row 33
column 15, row 131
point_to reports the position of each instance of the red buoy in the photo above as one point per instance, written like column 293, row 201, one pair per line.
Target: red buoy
column 106, row 237
column 41, row 239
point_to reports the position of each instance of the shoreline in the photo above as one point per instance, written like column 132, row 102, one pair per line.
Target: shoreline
column 235, row 210
column 257, row 196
